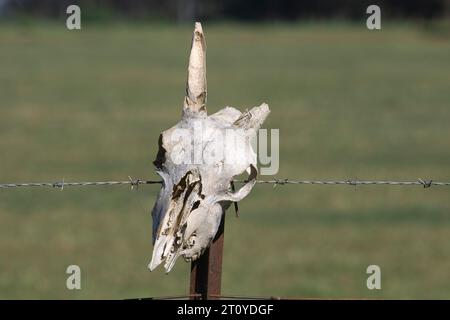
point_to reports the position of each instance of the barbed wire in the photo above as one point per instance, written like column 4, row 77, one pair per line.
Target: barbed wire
column 134, row 183
column 356, row 182
column 62, row 184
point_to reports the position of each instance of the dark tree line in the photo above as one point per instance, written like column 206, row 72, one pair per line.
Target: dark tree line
column 247, row 10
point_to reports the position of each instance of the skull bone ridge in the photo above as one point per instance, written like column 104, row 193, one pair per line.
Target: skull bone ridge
column 197, row 160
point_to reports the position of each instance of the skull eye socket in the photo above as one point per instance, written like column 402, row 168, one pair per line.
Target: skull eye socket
column 161, row 155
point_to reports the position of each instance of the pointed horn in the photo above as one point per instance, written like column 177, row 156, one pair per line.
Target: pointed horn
column 195, row 99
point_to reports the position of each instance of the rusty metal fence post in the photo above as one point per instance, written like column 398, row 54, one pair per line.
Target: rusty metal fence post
column 206, row 272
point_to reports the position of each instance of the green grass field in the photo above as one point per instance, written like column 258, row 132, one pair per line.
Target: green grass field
column 349, row 103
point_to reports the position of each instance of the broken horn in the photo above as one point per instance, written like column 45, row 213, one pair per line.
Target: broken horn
column 196, row 92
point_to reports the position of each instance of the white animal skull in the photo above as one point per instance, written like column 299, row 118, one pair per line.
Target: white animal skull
column 197, row 160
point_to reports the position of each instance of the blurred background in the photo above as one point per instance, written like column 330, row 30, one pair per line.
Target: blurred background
column 349, row 102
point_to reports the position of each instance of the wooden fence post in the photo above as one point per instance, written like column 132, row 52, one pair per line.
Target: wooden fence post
column 206, row 272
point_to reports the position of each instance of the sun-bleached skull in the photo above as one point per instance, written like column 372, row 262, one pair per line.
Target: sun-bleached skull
column 197, row 160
